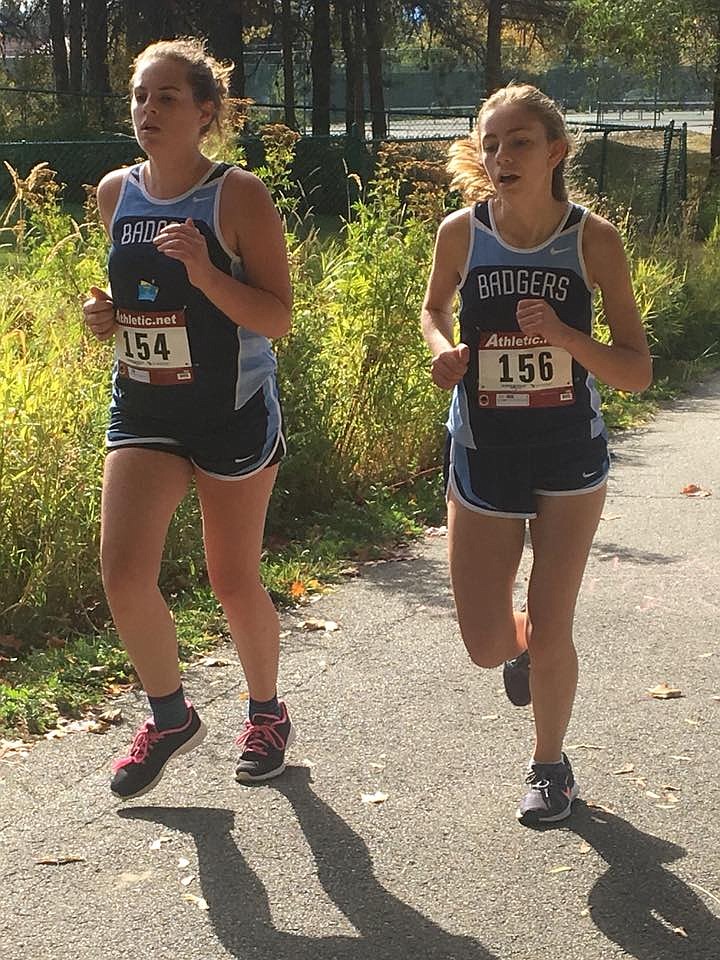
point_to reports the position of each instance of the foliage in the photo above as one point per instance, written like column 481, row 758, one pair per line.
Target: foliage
column 361, row 413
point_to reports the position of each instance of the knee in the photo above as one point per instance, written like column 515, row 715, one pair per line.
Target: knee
column 486, row 650
column 235, row 589
column 126, row 574
column 485, row 658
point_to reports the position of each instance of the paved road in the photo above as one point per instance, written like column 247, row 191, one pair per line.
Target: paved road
column 305, row 870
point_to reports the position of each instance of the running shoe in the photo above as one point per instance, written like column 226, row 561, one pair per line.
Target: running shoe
column 552, row 791
column 516, row 677
column 264, row 740
column 150, row 752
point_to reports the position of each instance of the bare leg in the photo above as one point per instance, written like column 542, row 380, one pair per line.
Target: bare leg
column 485, row 553
column 141, row 491
column 233, row 523
column 561, row 535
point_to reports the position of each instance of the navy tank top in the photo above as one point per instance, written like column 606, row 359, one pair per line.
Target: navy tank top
column 519, row 390
column 179, row 359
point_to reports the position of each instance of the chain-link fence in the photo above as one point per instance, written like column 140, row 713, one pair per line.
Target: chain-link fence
column 639, row 168
column 643, row 170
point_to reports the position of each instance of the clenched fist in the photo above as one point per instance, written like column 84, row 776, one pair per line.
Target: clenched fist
column 99, row 314
column 449, row 367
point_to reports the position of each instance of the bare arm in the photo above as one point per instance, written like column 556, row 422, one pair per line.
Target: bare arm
column 449, row 362
column 98, row 309
column 252, row 226
column 625, row 362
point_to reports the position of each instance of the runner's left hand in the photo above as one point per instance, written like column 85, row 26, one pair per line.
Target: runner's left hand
column 537, row 318
column 184, row 242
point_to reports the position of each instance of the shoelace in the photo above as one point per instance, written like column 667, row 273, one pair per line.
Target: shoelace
column 144, row 738
column 541, row 784
column 258, row 737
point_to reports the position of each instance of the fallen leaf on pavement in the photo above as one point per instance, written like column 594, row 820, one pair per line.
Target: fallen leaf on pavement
column 682, row 758
column 13, row 750
column 693, row 490
column 584, row 746
column 183, row 862
column 561, row 868
column 490, row 716
column 213, row 662
column 585, row 912
column 110, row 716
column 327, row 625
column 664, row 691
column 627, row 768
column 435, row 531
column 200, row 902
column 186, row 881
column 584, row 847
column 680, row 931
column 55, row 734
column 377, row 797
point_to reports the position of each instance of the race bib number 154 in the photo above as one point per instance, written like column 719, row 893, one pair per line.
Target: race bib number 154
column 152, row 346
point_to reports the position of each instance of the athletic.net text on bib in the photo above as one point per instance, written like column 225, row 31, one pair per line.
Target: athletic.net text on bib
column 517, row 370
column 152, row 346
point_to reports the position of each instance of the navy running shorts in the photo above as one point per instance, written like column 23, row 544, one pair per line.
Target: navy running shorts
column 247, row 442
column 504, row 482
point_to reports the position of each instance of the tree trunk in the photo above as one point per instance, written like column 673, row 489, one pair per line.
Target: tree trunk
column 96, row 39
column 288, row 36
column 715, row 132
column 493, row 49
column 358, row 37
column 75, row 33
column 225, row 34
column 320, row 66
column 135, row 34
column 351, row 52
column 59, row 50
column 375, row 71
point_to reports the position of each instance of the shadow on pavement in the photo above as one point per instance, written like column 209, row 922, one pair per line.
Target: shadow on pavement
column 239, row 912
column 605, row 552
column 637, row 903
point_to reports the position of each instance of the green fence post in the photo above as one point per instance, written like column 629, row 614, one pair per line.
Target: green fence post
column 683, row 162
column 603, row 161
column 662, row 199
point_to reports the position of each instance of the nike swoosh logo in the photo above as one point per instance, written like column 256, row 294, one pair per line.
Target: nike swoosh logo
column 593, row 473
column 555, row 250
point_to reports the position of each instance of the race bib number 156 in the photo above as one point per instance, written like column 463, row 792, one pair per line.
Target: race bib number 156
column 516, row 370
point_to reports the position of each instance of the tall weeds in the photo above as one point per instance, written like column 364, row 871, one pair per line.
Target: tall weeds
column 360, row 409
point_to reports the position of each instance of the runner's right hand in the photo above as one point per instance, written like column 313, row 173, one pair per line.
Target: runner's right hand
column 99, row 314
column 449, row 367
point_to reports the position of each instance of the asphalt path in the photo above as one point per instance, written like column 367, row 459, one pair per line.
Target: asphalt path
column 389, row 707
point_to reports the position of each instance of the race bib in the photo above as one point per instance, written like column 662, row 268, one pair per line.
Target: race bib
column 517, row 370
column 152, row 346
